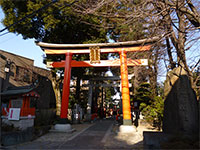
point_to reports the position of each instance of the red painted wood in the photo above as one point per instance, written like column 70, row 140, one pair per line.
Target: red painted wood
column 27, row 111
column 68, row 63
column 125, row 86
column 103, row 63
column 66, row 86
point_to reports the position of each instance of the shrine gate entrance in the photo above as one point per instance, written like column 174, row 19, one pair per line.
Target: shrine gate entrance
column 95, row 50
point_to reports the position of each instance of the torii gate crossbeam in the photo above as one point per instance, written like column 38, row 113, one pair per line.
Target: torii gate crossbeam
column 121, row 47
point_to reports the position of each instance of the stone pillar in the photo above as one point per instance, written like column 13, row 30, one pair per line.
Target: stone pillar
column 89, row 104
column 125, row 89
column 66, row 87
column 180, row 106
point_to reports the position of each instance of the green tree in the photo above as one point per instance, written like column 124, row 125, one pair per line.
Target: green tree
column 143, row 94
column 177, row 21
column 151, row 106
column 57, row 23
column 153, row 112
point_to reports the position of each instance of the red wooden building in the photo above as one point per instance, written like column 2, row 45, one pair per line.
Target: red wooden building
column 22, row 99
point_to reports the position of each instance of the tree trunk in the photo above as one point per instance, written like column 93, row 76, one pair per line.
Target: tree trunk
column 181, row 45
column 56, row 89
column 169, row 52
column 153, row 72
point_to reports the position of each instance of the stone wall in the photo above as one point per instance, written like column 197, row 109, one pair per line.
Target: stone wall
column 22, row 124
column 45, row 117
column 17, row 137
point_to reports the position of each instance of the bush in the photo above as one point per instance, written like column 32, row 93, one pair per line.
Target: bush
column 153, row 112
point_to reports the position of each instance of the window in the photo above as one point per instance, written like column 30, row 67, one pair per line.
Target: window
column 23, row 74
column 17, row 103
column 5, row 105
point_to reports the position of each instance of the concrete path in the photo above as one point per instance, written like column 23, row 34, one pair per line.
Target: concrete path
column 91, row 138
column 102, row 135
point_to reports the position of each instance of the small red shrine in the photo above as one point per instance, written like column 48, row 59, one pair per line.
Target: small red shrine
column 18, row 107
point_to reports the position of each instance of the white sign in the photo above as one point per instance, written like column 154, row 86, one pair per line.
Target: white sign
column 7, row 69
column 144, row 62
column 14, row 114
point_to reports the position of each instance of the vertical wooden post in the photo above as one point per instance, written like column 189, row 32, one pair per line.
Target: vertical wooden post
column 125, row 89
column 66, row 87
column 89, row 104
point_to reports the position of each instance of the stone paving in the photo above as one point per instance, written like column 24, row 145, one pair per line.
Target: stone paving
column 52, row 140
column 127, row 140
column 99, row 135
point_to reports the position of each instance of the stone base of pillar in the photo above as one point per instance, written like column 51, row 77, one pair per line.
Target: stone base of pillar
column 62, row 128
column 88, row 117
column 127, row 129
column 63, row 121
column 127, row 122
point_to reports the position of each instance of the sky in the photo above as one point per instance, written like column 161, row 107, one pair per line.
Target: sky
column 16, row 44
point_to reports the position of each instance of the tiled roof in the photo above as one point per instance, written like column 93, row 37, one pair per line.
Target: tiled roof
column 17, row 91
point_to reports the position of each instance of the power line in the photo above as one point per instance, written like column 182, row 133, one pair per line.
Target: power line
column 66, row 5
column 27, row 16
column 4, row 33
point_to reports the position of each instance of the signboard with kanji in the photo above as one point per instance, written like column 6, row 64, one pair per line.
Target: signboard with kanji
column 14, row 114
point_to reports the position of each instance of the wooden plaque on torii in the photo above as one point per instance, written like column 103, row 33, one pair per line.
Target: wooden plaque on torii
column 120, row 47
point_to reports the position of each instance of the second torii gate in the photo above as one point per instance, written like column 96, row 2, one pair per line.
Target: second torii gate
column 121, row 47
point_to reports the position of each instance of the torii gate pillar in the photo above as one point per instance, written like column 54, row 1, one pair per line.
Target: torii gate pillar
column 119, row 47
column 66, row 87
column 125, row 89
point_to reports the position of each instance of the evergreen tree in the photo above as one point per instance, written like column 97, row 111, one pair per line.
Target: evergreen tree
column 55, row 22
column 151, row 106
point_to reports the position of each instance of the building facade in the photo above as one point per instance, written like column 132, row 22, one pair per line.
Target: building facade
column 18, row 73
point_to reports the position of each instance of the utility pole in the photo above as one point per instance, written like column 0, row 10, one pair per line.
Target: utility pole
column 1, row 82
column 7, row 70
column 0, row 108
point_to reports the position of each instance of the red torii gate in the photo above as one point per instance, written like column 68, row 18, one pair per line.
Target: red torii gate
column 121, row 47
